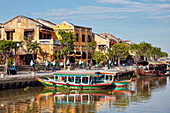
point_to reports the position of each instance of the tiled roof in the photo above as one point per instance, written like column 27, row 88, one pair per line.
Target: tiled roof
column 46, row 21
column 101, row 36
column 74, row 25
column 29, row 19
column 110, row 36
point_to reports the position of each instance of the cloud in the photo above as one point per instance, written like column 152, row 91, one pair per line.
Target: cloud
column 83, row 13
column 115, row 12
column 87, row 17
column 158, row 17
column 117, row 1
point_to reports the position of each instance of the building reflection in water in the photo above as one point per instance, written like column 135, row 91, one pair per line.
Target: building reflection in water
column 50, row 101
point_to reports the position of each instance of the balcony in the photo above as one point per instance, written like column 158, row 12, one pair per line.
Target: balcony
column 45, row 41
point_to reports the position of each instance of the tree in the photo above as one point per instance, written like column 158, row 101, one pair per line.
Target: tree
column 57, row 54
column 5, row 48
column 66, row 43
column 155, row 52
column 91, row 48
column 120, row 50
column 163, row 54
column 32, row 47
column 98, row 56
column 144, row 50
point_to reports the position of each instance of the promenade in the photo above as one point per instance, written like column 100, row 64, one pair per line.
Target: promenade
column 26, row 78
column 27, row 74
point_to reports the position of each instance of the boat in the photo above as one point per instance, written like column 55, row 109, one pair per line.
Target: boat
column 149, row 68
column 110, row 76
column 75, row 81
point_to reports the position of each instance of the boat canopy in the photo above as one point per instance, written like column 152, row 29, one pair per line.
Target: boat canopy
column 107, row 73
column 72, row 75
column 155, row 63
column 143, row 63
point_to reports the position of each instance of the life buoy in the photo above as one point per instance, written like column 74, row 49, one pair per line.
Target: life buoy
column 67, row 85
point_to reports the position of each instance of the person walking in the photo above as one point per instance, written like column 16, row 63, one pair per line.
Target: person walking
column 54, row 65
column 46, row 64
column 32, row 64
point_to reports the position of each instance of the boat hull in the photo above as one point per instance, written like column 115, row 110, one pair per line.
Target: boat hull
column 121, row 83
column 53, row 84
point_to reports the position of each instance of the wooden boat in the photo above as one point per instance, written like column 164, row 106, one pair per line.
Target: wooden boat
column 152, row 69
column 109, row 76
column 75, row 81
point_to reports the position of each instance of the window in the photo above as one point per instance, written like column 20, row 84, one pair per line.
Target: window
column 9, row 35
column 49, row 36
column 89, row 38
column 40, row 36
column 84, row 55
column 77, row 35
column 83, row 37
column 29, row 34
column 44, row 35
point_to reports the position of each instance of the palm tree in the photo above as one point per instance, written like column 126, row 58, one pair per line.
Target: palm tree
column 33, row 48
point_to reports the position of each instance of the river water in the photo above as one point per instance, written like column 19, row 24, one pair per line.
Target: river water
column 146, row 95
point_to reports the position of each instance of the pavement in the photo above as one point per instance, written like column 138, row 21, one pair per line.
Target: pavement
column 28, row 74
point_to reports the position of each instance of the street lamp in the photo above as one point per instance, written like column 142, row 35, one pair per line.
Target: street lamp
column 108, row 56
column 18, row 44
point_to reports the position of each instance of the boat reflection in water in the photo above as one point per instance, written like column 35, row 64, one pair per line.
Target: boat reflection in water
column 76, row 100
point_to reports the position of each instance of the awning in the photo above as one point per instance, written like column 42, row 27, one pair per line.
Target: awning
column 144, row 63
column 9, row 30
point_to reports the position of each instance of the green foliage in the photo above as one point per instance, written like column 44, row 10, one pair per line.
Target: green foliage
column 147, row 50
column 57, row 54
column 32, row 47
column 99, row 56
column 67, row 41
column 155, row 52
column 10, row 61
column 91, row 47
column 163, row 54
column 120, row 50
column 7, row 46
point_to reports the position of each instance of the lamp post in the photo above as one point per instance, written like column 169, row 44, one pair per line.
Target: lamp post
column 18, row 44
column 136, row 56
column 108, row 56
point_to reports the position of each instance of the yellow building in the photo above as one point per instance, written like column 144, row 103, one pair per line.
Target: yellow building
column 20, row 26
column 84, row 36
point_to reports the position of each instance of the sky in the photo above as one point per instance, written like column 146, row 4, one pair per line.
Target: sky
column 136, row 20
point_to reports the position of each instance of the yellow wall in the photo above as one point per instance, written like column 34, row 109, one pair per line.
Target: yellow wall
column 64, row 26
column 101, row 41
column 19, row 27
